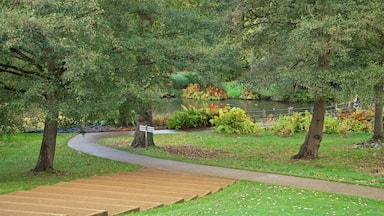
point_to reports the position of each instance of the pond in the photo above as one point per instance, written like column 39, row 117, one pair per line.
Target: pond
column 254, row 108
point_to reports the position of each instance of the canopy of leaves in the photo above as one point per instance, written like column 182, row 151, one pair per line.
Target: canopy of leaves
column 53, row 59
column 300, row 43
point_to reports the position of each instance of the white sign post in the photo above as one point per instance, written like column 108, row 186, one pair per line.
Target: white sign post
column 147, row 129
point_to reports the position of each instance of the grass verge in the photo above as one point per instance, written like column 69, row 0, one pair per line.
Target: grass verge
column 19, row 154
column 252, row 198
column 338, row 161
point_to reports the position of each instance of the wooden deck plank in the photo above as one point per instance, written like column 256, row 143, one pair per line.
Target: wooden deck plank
column 170, row 183
column 93, row 186
column 111, row 194
column 174, row 188
column 112, row 208
column 144, row 205
column 5, row 205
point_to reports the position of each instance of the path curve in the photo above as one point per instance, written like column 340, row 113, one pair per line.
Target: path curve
column 87, row 143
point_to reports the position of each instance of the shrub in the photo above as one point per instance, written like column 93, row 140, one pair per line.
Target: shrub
column 289, row 124
column 189, row 118
column 215, row 93
column 249, row 94
column 283, row 126
column 180, row 80
column 235, row 121
column 331, row 125
column 193, row 91
column 160, row 120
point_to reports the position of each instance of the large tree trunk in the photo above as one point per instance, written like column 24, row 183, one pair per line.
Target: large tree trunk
column 48, row 146
column 310, row 147
column 140, row 141
column 378, row 125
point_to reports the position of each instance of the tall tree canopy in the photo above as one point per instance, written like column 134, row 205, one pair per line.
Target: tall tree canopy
column 366, row 54
column 301, row 43
column 53, row 62
column 158, row 38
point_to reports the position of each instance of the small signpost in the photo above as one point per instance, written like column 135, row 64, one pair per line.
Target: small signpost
column 147, row 129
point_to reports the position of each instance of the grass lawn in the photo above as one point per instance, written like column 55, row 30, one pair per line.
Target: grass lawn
column 338, row 160
column 252, row 198
column 19, row 154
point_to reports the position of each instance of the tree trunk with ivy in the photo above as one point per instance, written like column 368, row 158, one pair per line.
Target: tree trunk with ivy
column 310, row 148
column 140, row 141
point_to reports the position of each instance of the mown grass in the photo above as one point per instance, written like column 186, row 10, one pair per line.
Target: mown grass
column 19, row 154
column 251, row 198
column 338, row 160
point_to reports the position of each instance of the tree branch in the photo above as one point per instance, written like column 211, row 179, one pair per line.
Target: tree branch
column 19, row 71
column 11, row 89
column 26, row 58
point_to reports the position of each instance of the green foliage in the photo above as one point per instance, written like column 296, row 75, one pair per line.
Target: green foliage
column 180, row 80
column 331, row 125
column 235, row 121
column 189, row 118
column 359, row 121
column 54, row 59
column 287, row 125
column 234, row 89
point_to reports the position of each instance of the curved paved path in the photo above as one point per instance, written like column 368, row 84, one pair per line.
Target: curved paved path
column 87, row 143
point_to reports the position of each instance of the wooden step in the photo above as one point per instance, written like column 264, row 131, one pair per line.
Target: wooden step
column 179, row 175
column 199, row 192
column 172, row 178
column 111, row 194
column 7, row 212
column 112, row 208
column 170, row 183
column 40, row 208
column 144, row 205
column 167, row 200
column 93, row 186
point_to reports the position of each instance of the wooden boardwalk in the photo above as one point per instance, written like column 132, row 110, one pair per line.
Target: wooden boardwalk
column 111, row 194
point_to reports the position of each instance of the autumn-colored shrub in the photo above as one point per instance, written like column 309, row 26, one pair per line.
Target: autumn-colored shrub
column 193, row 91
column 216, row 93
column 249, row 94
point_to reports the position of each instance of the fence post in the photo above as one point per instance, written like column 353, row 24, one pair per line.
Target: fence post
column 290, row 110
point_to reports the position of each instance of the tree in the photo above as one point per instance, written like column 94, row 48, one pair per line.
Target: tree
column 297, row 43
column 52, row 63
column 161, row 38
column 367, row 52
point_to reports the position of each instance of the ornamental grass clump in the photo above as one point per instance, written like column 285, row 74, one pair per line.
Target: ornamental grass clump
column 235, row 121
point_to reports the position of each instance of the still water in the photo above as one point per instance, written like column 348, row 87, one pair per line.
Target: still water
column 252, row 107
